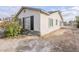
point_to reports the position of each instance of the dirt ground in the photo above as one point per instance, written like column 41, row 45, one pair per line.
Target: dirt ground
column 63, row 40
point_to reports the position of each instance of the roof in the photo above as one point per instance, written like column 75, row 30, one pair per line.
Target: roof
column 41, row 10
column 50, row 12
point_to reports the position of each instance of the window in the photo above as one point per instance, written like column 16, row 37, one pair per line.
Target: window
column 56, row 22
column 50, row 22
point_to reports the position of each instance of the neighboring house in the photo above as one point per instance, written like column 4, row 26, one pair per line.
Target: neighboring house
column 8, row 18
column 39, row 20
column 72, row 23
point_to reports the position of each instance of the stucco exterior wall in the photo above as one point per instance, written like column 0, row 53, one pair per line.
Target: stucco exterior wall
column 44, row 21
column 34, row 13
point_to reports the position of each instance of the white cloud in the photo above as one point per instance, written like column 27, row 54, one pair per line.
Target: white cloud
column 70, row 13
column 75, row 8
column 8, row 11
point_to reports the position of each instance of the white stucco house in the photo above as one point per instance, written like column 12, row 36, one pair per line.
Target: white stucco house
column 40, row 20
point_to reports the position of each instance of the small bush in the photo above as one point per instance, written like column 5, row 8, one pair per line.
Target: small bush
column 77, row 25
column 13, row 28
column 77, row 21
column 3, row 24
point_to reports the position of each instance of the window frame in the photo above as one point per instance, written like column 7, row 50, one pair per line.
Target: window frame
column 50, row 22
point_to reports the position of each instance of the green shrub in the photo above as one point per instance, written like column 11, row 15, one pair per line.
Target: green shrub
column 77, row 21
column 3, row 24
column 77, row 24
column 13, row 29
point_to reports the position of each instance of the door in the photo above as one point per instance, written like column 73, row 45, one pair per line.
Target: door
column 31, row 22
column 26, row 23
column 23, row 23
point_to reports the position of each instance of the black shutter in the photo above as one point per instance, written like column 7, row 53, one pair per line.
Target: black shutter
column 32, row 22
column 23, row 23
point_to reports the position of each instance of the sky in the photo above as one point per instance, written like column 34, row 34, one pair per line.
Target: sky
column 68, row 12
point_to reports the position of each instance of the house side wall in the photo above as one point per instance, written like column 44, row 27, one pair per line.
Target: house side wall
column 44, row 23
column 29, row 13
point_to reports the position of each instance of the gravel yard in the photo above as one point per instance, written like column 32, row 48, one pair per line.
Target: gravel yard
column 63, row 40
